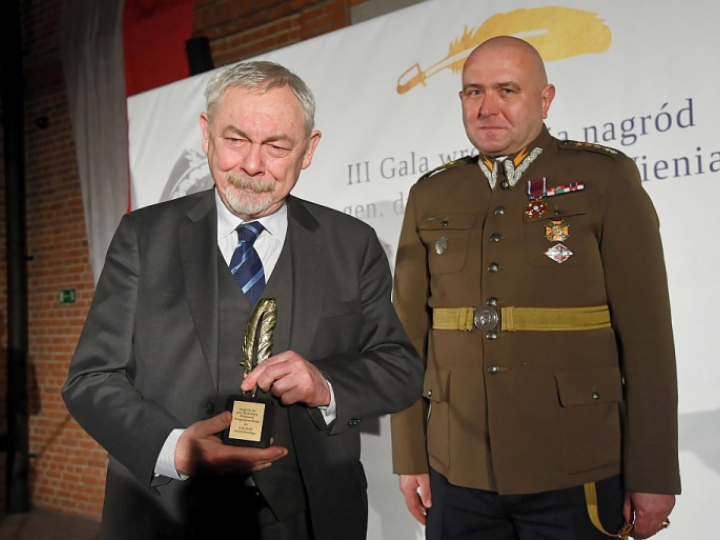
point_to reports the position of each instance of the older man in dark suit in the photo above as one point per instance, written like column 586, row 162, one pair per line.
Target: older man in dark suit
column 160, row 350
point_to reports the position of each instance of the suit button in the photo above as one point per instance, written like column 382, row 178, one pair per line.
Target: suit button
column 429, row 393
column 495, row 237
column 500, row 210
column 505, row 185
column 493, row 369
column 492, row 301
column 494, row 267
column 209, row 408
column 595, row 395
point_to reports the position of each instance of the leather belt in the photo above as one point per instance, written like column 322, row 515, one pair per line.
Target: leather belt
column 521, row 319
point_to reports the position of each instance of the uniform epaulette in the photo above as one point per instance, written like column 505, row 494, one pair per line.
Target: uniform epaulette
column 446, row 166
column 592, row 147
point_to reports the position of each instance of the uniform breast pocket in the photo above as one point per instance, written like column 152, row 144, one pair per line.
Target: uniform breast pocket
column 446, row 236
column 563, row 236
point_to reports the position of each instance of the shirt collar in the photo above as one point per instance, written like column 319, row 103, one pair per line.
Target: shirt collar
column 275, row 224
column 515, row 165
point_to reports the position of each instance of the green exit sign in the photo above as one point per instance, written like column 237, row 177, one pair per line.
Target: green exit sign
column 67, row 296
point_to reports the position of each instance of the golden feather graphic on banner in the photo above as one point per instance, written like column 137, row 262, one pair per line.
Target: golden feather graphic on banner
column 556, row 32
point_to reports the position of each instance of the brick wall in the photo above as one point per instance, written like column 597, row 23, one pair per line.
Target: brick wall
column 241, row 29
column 68, row 469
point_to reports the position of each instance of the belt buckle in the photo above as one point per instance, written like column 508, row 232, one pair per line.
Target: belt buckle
column 486, row 318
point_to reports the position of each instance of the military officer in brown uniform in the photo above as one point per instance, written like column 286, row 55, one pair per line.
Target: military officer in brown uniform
column 531, row 279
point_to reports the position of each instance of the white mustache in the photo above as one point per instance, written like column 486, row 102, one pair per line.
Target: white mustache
column 258, row 185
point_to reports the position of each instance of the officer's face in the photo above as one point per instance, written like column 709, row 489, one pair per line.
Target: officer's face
column 256, row 146
column 504, row 97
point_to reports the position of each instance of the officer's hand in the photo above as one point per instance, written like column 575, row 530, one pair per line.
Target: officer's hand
column 199, row 450
column 416, row 490
column 292, row 378
column 649, row 510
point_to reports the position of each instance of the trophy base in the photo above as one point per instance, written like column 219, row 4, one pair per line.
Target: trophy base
column 251, row 423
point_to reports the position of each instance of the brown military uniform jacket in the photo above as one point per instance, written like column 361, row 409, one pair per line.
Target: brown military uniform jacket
column 530, row 411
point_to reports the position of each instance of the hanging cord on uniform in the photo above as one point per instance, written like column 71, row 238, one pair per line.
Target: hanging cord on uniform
column 592, row 506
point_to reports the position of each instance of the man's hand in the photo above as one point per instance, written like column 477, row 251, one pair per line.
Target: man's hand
column 649, row 509
column 198, row 450
column 416, row 490
column 292, row 378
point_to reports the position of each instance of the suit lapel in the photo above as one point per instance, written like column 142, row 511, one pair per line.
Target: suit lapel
column 308, row 268
column 198, row 253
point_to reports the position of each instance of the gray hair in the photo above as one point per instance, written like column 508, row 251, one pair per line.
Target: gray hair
column 261, row 75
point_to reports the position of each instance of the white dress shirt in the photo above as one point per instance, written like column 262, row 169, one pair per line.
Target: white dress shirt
column 268, row 245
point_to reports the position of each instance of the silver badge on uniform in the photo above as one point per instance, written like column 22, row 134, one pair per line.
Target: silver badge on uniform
column 441, row 245
column 559, row 253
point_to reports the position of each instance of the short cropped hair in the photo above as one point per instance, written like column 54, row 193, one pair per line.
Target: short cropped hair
column 261, row 75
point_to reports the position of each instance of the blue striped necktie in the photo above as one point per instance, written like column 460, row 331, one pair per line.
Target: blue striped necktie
column 246, row 265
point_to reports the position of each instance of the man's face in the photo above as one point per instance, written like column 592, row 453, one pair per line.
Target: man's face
column 504, row 99
column 256, row 146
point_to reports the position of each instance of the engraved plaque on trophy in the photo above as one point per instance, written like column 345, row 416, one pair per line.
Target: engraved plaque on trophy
column 251, row 423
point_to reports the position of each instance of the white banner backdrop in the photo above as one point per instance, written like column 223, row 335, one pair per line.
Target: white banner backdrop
column 640, row 76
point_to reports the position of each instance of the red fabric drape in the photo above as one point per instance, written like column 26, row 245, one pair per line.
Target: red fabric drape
column 154, row 35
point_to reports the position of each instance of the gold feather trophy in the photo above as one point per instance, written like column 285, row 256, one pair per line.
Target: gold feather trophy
column 251, row 423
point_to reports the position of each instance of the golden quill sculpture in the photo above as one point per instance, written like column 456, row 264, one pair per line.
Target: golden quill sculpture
column 252, row 417
column 258, row 343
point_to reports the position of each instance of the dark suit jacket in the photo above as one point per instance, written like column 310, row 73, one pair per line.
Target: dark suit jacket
column 147, row 363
